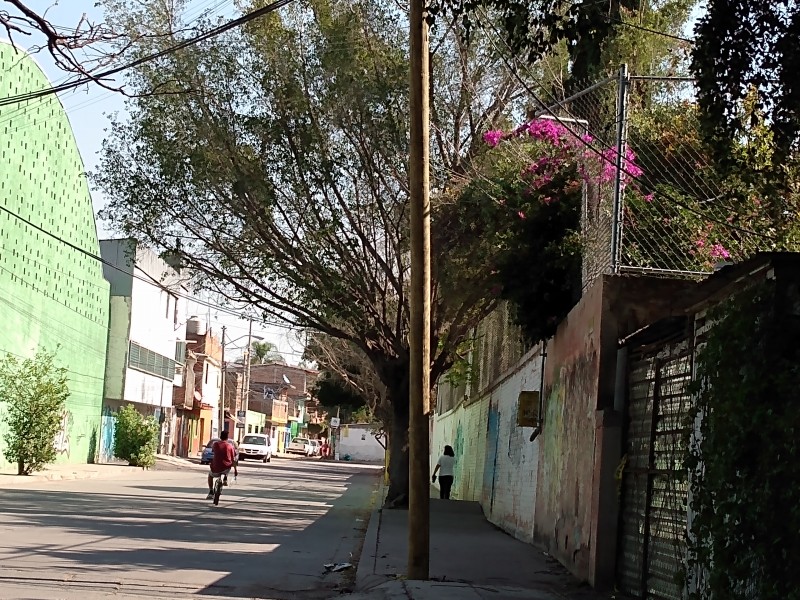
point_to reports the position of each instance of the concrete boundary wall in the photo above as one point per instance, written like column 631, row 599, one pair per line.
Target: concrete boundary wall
column 463, row 428
column 558, row 491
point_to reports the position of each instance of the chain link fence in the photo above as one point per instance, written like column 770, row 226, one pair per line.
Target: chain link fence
column 657, row 204
column 496, row 346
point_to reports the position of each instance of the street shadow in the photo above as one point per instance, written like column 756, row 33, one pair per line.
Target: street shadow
column 260, row 542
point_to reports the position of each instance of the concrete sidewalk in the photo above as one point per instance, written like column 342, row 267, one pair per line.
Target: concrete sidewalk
column 470, row 560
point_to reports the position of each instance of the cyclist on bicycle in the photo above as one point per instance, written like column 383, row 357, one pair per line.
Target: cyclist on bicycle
column 224, row 459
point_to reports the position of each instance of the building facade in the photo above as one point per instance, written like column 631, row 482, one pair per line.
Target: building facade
column 52, row 293
column 145, row 338
column 280, row 388
column 198, row 394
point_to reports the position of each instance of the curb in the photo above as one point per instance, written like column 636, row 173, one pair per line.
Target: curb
column 11, row 479
column 365, row 571
column 179, row 462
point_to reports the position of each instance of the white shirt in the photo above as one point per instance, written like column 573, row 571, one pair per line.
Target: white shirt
column 446, row 465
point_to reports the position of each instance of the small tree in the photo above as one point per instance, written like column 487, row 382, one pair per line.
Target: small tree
column 35, row 392
column 135, row 437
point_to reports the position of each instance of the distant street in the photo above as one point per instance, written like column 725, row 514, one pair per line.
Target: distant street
column 154, row 535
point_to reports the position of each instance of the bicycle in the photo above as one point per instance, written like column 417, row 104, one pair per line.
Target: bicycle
column 217, row 489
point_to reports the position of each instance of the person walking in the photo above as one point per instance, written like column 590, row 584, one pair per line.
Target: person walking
column 444, row 466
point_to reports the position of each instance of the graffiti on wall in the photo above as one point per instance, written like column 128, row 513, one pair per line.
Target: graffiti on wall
column 61, row 441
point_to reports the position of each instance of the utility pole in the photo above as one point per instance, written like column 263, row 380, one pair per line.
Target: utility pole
column 246, row 386
column 419, row 335
column 222, row 388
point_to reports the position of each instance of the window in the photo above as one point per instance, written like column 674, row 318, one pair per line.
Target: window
column 152, row 363
column 180, row 352
column 205, row 368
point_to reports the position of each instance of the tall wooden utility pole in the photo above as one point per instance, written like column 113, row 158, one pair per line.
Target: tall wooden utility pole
column 419, row 336
column 222, row 425
column 246, row 384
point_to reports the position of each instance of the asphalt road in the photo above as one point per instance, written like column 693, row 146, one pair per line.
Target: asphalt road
column 154, row 535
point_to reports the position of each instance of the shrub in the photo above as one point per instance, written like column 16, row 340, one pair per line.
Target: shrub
column 135, row 437
column 35, row 392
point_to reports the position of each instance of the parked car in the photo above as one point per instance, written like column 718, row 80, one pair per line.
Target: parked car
column 315, row 447
column 256, row 446
column 208, row 452
column 300, row 446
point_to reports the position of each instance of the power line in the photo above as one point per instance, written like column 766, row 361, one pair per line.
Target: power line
column 132, row 273
column 653, row 31
column 145, row 59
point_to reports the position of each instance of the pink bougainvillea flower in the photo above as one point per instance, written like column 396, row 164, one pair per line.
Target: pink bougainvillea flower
column 546, row 130
column 700, row 243
column 493, row 137
column 521, row 214
column 719, row 251
column 649, row 198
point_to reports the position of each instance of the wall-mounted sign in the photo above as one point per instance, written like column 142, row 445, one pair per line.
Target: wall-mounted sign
column 528, row 409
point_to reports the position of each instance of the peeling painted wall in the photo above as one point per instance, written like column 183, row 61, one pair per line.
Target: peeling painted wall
column 563, row 502
column 559, row 490
column 512, row 474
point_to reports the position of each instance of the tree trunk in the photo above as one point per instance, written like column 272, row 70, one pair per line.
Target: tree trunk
column 397, row 496
column 21, row 467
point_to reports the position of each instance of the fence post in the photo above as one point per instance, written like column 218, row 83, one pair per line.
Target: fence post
column 621, row 146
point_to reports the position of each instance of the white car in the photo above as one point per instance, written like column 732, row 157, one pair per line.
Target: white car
column 300, row 446
column 256, row 446
column 316, row 447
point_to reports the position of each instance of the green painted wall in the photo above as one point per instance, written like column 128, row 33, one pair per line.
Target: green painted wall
column 50, row 294
column 254, row 422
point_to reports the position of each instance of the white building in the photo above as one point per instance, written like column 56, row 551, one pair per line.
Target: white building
column 359, row 443
column 146, row 338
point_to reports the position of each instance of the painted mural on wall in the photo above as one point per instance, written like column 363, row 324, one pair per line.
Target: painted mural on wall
column 61, row 442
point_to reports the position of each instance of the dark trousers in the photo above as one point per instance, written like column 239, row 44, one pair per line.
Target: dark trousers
column 445, row 483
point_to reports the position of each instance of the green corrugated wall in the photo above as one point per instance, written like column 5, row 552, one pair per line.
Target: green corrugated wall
column 51, row 295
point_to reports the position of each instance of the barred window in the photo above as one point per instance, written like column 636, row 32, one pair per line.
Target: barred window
column 153, row 363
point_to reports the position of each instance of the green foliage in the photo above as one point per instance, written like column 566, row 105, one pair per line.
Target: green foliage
column 713, row 214
column 331, row 391
column 263, row 352
column 594, row 33
column 135, row 437
column 35, row 392
column 746, row 465
column 742, row 47
column 526, row 232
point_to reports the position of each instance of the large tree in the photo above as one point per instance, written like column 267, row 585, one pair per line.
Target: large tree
column 277, row 171
column 745, row 47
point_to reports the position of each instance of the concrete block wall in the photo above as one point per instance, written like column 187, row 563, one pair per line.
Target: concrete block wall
column 367, row 449
column 464, row 428
column 512, row 459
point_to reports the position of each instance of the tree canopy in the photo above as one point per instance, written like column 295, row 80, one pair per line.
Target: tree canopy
column 277, row 172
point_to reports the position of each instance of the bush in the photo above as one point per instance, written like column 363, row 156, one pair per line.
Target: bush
column 35, row 392
column 135, row 437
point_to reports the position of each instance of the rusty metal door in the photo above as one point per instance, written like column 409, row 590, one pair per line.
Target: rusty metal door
column 654, row 485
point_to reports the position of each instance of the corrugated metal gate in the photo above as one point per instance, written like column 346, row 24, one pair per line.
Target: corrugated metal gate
column 654, row 483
